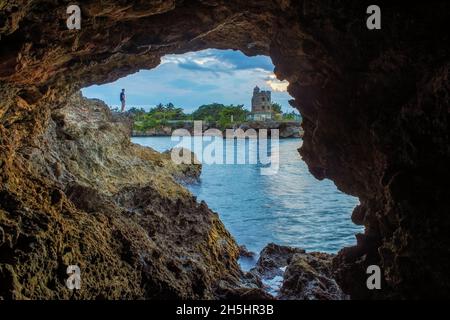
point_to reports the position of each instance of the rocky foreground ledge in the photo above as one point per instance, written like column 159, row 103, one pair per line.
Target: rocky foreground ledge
column 118, row 211
column 115, row 209
column 289, row 273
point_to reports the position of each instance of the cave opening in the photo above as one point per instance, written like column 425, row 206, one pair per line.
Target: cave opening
column 216, row 87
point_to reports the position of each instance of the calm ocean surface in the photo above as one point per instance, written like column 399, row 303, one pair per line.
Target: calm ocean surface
column 288, row 208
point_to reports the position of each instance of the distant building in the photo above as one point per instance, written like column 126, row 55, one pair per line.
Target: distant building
column 261, row 105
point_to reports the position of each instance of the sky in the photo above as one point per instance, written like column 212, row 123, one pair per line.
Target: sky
column 192, row 79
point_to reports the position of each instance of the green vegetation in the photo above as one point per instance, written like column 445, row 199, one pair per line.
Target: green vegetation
column 158, row 116
column 291, row 116
column 215, row 114
column 276, row 108
column 220, row 115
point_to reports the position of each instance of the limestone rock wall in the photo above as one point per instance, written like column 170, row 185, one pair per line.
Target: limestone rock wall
column 90, row 197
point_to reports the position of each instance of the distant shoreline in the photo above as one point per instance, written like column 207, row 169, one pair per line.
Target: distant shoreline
column 169, row 135
column 287, row 129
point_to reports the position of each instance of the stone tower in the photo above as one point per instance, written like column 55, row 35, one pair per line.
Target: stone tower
column 261, row 101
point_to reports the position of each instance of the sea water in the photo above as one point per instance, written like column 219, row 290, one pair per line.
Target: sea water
column 289, row 208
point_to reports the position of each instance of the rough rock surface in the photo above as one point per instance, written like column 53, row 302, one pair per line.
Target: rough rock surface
column 114, row 209
column 91, row 145
column 305, row 276
column 309, row 276
column 375, row 108
column 272, row 258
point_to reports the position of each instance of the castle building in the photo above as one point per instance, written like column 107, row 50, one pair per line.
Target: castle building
column 261, row 105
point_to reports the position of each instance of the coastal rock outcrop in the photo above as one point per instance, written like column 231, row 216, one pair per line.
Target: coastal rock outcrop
column 272, row 258
column 91, row 144
column 113, row 208
column 154, row 132
column 294, row 274
column 287, row 129
column 375, row 115
column 309, row 276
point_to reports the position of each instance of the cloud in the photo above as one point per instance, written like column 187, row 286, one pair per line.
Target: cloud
column 277, row 85
column 242, row 62
column 192, row 85
column 217, row 61
column 199, row 61
column 195, row 78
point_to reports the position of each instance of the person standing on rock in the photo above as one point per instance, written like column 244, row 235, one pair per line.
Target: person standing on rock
column 122, row 99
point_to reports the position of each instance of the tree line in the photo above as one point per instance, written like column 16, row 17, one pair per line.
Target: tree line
column 215, row 114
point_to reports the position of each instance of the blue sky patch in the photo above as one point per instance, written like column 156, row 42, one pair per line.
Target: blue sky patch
column 196, row 78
